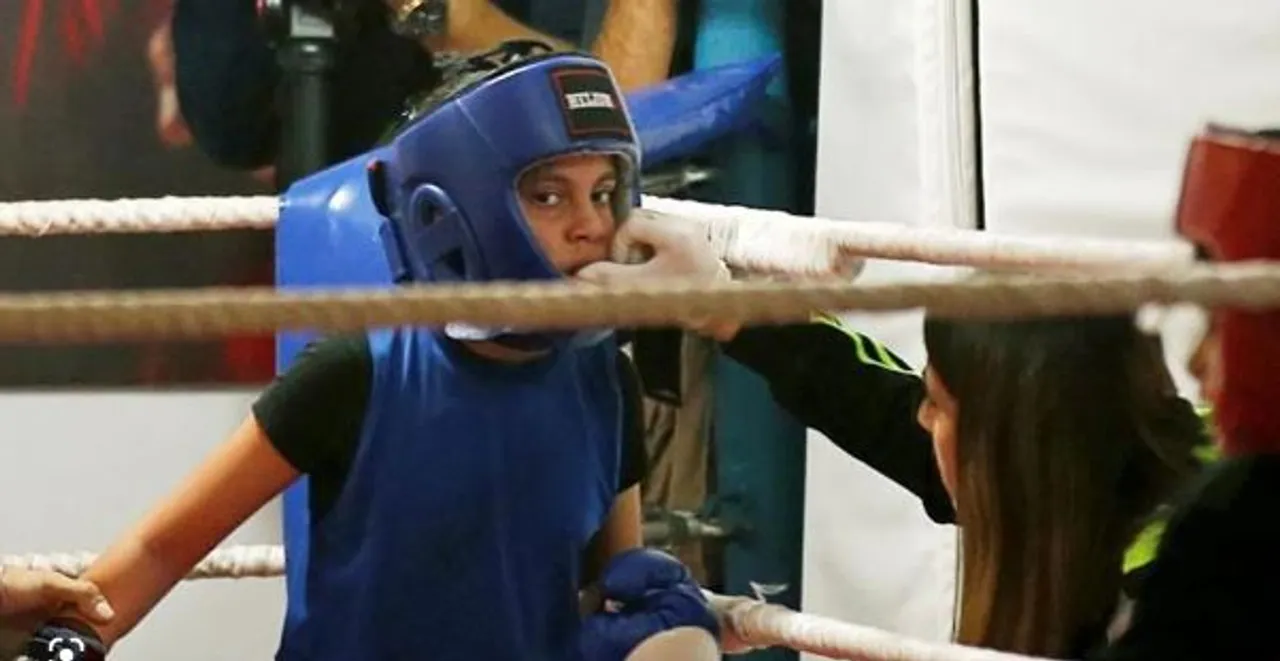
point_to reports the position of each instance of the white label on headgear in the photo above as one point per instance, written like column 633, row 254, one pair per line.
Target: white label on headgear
column 585, row 100
column 591, row 104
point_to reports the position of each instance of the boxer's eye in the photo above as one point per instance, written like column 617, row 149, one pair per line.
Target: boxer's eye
column 547, row 198
column 603, row 197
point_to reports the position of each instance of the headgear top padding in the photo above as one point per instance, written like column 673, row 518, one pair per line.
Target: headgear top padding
column 451, row 175
column 1230, row 207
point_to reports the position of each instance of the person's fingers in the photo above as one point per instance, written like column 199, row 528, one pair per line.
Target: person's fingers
column 85, row 596
column 605, row 272
column 642, row 228
column 660, row 232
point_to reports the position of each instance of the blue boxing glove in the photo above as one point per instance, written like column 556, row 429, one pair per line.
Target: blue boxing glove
column 645, row 592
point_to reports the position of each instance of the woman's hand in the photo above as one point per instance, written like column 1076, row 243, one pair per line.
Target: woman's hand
column 40, row 593
column 674, row 250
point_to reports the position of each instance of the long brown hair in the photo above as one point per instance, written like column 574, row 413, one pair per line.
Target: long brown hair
column 1069, row 433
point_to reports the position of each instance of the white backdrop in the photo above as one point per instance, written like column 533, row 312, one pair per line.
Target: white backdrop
column 871, row 556
column 1087, row 110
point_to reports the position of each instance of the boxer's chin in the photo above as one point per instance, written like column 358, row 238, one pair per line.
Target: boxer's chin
column 679, row 644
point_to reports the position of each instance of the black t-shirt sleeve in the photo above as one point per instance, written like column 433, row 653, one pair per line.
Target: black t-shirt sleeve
column 856, row 392
column 1213, row 591
column 312, row 413
column 634, row 461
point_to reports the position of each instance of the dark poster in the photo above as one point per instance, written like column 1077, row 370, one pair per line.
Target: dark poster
column 88, row 112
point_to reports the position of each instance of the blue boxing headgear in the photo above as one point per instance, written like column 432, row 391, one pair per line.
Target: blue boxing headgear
column 450, row 178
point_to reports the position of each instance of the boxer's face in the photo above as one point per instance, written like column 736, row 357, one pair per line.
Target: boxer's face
column 568, row 204
column 937, row 415
column 1206, row 362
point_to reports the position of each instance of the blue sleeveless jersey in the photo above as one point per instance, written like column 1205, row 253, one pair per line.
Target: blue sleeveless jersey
column 474, row 492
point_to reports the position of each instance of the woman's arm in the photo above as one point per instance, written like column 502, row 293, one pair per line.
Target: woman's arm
column 856, row 392
column 233, row 483
column 637, row 40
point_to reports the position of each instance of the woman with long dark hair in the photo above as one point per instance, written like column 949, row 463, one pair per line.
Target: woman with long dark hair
column 1051, row 444
column 1057, row 440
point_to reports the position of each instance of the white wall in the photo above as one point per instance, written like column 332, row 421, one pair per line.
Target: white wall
column 80, row 468
column 871, row 556
column 1088, row 108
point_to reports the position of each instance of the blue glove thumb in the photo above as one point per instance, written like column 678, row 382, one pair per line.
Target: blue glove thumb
column 631, row 575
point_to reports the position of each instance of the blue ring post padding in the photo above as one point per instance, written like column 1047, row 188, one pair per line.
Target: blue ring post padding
column 760, row 449
column 317, row 248
column 679, row 117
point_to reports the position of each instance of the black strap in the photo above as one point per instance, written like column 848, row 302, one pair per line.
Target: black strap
column 452, row 65
column 65, row 641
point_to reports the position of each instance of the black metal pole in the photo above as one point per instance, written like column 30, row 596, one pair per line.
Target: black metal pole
column 306, row 57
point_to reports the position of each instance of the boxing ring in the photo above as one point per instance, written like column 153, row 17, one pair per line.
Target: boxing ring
column 789, row 266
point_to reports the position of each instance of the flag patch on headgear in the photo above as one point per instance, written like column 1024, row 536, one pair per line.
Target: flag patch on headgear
column 590, row 103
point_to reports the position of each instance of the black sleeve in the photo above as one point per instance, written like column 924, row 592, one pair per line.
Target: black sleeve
column 853, row 390
column 1213, row 591
column 312, row 413
column 634, row 463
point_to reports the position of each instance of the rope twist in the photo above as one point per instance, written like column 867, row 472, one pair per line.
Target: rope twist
column 208, row 313
column 748, row 239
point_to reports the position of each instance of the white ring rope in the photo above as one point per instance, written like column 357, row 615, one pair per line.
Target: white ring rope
column 753, row 623
column 760, row 624
column 261, row 561
column 750, row 239
column 137, row 216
